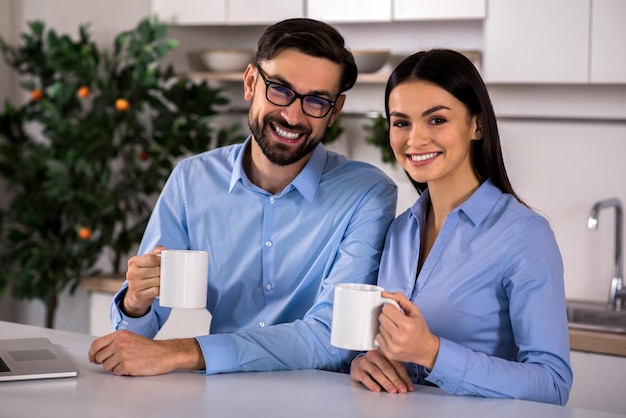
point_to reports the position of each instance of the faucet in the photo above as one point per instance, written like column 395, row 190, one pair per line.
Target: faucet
column 617, row 293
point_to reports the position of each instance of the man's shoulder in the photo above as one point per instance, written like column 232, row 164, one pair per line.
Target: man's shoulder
column 224, row 155
column 340, row 165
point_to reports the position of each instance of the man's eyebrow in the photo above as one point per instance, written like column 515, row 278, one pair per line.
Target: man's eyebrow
column 278, row 79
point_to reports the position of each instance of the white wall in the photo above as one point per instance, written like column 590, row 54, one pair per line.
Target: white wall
column 561, row 168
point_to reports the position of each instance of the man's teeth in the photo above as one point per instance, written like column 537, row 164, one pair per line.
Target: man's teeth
column 423, row 157
column 285, row 134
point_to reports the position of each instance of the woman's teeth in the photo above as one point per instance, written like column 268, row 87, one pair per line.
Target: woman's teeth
column 285, row 134
column 423, row 157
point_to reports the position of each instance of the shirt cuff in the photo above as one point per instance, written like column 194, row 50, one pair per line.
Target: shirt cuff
column 450, row 367
column 219, row 353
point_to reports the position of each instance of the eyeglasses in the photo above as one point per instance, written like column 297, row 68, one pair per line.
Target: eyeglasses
column 281, row 95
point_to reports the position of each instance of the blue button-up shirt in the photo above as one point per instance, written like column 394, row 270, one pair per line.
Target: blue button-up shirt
column 492, row 289
column 273, row 258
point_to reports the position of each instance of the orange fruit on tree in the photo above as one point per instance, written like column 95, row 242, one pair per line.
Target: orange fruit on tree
column 36, row 94
column 84, row 92
column 122, row 105
column 84, row 233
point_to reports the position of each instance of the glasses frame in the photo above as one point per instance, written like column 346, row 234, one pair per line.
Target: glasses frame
column 295, row 96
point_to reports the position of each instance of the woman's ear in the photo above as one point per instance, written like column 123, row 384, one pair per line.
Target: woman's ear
column 478, row 128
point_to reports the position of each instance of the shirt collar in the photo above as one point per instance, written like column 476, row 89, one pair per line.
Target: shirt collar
column 306, row 182
column 476, row 208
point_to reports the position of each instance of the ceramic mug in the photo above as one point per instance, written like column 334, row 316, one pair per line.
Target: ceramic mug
column 355, row 316
column 184, row 278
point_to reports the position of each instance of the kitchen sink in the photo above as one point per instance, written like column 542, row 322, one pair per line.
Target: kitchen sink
column 595, row 316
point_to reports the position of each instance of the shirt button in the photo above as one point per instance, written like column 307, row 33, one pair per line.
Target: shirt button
column 439, row 383
column 268, row 243
column 268, row 287
column 261, row 324
column 272, row 200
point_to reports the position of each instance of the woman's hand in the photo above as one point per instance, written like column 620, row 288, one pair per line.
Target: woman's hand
column 377, row 372
column 404, row 336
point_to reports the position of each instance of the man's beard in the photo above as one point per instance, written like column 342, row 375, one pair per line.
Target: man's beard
column 276, row 152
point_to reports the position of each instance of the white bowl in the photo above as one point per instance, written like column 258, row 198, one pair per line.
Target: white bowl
column 369, row 61
column 223, row 60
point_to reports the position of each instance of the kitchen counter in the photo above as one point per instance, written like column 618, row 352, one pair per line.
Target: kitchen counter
column 580, row 340
column 96, row 393
column 597, row 342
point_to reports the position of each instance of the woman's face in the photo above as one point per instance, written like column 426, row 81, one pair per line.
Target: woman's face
column 430, row 133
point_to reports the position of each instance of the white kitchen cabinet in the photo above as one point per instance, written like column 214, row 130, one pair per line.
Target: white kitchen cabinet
column 349, row 10
column 182, row 323
column 226, row 12
column 537, row 41
column 241, row 12
column 190, row 12
column 608, row 41
column 599, row 382
column 442, row 9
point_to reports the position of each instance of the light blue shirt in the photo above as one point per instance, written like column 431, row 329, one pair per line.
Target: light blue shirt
column 492, row 289
column 273, row 258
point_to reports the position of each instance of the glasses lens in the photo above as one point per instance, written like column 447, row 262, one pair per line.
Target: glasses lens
column 315, row 106
column 280, row 95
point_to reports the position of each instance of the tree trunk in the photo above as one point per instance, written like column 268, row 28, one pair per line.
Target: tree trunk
column 51, row 308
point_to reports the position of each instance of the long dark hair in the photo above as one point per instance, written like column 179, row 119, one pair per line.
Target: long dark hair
column 311, row 37
column 456, row 74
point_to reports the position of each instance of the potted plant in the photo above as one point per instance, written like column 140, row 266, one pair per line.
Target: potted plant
column 377, row 134
column 85, row 156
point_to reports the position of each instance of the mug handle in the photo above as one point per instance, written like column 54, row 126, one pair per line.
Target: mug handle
column 394, row 303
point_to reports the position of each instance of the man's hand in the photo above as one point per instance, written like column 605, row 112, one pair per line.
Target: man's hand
column 376, row 371
column 127, row 354
column 143, row 277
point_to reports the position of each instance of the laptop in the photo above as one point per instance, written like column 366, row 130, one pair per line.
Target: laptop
column 33, row 358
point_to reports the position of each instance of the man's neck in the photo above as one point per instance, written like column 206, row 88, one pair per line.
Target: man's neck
column 267, row 175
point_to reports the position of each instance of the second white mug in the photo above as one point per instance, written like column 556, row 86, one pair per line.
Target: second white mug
column 355, row 316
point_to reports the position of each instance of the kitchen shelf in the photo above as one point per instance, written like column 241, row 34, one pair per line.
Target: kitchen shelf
column 363, row 78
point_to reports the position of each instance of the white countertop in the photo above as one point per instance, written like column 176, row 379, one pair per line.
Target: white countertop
column 305, row 393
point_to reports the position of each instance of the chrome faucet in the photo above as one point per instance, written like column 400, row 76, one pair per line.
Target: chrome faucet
column 617, row 293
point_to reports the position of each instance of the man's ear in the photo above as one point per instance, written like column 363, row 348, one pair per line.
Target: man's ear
column 336, row 109
column 249, row 81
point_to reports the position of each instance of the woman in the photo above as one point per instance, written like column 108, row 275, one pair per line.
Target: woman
column 478, row 274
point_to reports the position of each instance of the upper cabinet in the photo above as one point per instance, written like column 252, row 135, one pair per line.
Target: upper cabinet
column 226, row 12
column 446, row 9
column 192, row 12
column 608, row 41
column 555, row 41
column 346, row 11
column 537, row 41
column 349, row 10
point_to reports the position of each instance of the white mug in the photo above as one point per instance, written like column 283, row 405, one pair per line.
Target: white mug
column 355, row 316
column 184, row 278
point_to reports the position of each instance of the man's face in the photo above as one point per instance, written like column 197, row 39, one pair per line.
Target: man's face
column 286, row 134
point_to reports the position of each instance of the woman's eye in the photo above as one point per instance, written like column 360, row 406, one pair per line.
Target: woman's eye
column 437, row 121
column 400, row 124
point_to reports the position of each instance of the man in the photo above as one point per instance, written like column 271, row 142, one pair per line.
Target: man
column 283, row 221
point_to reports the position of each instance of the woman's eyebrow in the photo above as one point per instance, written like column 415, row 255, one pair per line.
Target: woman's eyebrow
column 424, row 113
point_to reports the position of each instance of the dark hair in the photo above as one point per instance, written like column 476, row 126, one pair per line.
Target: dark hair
column 456, row 74
column 311, row 37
